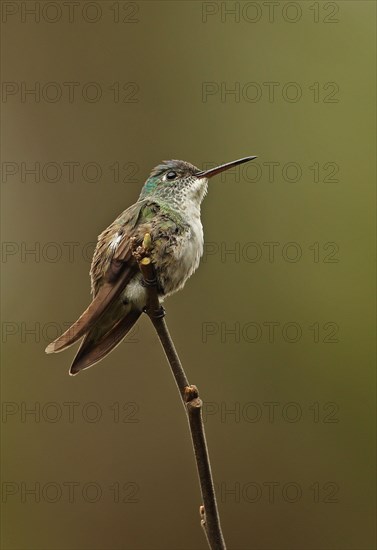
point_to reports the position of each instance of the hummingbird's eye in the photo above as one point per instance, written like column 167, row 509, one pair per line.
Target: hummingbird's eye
column 171, row 175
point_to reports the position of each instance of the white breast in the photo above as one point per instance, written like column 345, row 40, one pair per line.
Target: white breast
column 183, row 260
column 188, row 252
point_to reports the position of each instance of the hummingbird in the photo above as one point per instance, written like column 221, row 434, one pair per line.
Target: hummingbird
column 168, row 208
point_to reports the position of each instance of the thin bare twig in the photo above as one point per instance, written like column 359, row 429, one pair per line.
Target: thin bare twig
column 209, row 515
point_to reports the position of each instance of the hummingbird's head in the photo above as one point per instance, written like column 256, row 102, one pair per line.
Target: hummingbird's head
column 175, row 181
column 178, row 181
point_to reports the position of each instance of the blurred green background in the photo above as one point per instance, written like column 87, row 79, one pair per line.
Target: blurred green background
column 280, row 331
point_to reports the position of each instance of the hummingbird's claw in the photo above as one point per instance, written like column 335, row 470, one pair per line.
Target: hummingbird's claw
column 155, row 314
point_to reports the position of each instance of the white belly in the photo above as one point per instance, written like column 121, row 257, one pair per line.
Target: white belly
column 182, row 261
column 187, row 257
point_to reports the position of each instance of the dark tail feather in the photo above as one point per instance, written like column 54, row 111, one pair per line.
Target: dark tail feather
column 93, row 349
column 103, row 301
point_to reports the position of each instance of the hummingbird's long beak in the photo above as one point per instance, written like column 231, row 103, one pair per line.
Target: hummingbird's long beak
column 214, row 171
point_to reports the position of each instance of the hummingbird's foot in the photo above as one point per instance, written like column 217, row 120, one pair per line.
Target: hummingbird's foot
column 155, row 313
column 149, row 282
